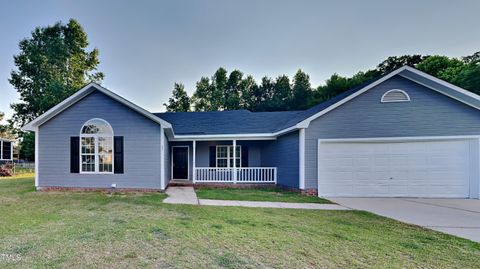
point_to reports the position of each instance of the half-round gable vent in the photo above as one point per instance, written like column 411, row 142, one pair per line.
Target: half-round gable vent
column 395, row 96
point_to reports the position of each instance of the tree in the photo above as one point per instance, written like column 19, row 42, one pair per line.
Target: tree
column 435, row 65
column 302, row 91
column 179, row 102
column 52, row 64
column 5, row 130
column 282, row 94
column 395, row 62
column 202, row 97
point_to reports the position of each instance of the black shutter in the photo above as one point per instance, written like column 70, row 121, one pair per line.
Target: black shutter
column 118, row 155
column 74, row 154
column 213, row 156
column 244, row 156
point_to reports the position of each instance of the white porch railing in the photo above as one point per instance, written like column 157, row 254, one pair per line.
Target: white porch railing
column 226, row 175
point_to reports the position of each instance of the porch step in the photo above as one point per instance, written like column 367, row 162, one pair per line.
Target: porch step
column 180, row 183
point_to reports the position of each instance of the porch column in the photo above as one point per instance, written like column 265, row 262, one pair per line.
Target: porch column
column 193, row 162
column 234, row 161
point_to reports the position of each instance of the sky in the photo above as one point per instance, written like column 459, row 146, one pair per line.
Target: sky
column 147, row 46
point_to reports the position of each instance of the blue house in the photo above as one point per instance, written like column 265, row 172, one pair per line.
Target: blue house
column 406, row 134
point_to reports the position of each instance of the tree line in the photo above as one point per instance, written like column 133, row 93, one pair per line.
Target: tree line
column 234, row 90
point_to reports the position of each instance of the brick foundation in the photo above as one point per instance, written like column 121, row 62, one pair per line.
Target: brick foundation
column 105, row 190
column 309, row 192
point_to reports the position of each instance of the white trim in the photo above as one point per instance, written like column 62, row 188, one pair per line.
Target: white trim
column 234, row 147
column 80, row 94
column 228, row 155
column 188, row 162
column 37, row 135
column 1, row 149
column 400, row 138
column 301, row 159
column 2, row 144
column 395, row 101
column 194, row 162
column 96, row 154
column 162, row 158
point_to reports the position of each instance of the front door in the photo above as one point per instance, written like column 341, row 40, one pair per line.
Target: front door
column 180, row 162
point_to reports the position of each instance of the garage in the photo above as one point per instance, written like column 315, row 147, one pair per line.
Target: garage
column 397, row 168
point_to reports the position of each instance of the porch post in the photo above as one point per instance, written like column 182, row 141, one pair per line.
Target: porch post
column 234, row 161
column 193, row 162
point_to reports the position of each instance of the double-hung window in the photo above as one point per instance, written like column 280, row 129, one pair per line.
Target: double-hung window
column 225, row 156
column 96, row 147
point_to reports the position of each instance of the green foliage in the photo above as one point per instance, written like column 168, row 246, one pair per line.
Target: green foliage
column 179, row 102
column 280, row 94
column 5, row 130
column 302, row 91
column 27, row 146
column 52, row 65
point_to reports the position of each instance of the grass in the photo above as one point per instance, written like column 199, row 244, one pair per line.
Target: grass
column 98, row 230
column 259, row 194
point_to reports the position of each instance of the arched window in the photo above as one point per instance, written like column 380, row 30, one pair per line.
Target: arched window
column 96, row 147
column 395, row 95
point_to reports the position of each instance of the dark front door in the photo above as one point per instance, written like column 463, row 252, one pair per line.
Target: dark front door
column 180, row 162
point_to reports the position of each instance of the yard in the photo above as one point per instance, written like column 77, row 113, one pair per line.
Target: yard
column 69, row 229
column 271, row 194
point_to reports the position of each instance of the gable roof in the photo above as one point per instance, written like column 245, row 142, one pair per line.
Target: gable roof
column 79, row 95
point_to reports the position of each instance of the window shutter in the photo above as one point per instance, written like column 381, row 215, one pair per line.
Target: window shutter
column 74, row 154
column 118, row 155
column 244, row 156
column 213, row 156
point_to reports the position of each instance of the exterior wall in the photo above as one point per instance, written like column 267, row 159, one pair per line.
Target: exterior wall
column 203, row 152
column 141, row 146
column 429, row 113
column 283, row 153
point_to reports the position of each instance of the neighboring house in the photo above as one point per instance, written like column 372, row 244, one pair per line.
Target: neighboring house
column 405, row 134
column 6, row 150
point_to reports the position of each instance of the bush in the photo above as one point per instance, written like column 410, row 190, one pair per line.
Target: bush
column 6, row 170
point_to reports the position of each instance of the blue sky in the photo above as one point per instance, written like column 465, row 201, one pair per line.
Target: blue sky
column 146, row 46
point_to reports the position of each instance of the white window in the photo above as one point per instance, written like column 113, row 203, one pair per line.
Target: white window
column 225, row 156
column 395, row 95
column 96, row 147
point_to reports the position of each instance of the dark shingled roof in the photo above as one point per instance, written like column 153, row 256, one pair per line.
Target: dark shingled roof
column 226, row 122
column 244, row 121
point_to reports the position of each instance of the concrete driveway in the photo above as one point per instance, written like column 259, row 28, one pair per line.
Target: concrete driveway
column 460, row 217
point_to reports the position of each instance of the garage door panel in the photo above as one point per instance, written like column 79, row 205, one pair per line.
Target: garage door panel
column 400, row 169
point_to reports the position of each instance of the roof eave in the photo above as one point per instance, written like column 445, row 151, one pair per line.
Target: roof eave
column 80, row 94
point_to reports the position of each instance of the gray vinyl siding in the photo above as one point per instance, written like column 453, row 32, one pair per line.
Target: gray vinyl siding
column 283, row 153
column 141, row 146
column 429, row 113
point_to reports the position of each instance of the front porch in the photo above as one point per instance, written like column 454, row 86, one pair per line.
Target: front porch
column 229, row 162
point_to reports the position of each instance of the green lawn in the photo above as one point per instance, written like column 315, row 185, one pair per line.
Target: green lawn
column 259, row 194
column 93, row 229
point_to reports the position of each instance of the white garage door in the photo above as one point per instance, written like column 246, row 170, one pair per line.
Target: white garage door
column 409, row 169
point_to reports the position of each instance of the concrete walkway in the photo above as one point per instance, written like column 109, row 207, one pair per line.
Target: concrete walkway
column 181, row 195
column 187, row 196
column 460, row 217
